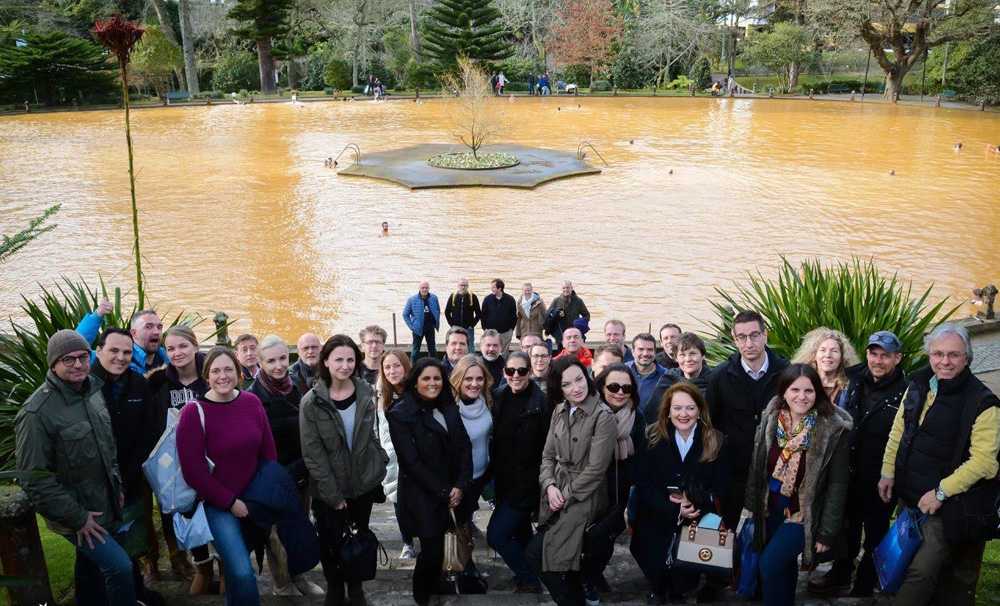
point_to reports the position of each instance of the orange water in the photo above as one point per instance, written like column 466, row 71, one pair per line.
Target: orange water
column 239, row 214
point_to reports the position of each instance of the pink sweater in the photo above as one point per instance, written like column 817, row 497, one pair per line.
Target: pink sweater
column 237, row 437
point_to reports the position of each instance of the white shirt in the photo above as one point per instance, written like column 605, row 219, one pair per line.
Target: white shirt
column 684, row 445
column 755, row 375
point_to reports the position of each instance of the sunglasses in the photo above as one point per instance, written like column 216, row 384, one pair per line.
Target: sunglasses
column 615, row 388
column 521, row 372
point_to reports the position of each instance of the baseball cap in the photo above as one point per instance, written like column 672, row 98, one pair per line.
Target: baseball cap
column 886, row 340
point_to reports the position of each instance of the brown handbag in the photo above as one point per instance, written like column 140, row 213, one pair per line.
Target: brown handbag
column 457, row 546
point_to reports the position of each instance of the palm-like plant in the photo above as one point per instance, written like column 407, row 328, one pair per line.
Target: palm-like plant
column 855, row 298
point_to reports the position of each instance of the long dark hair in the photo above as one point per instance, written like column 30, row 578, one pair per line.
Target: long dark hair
column 554, row 390
column 788, row 376
column 410, row 382
column 602, row 379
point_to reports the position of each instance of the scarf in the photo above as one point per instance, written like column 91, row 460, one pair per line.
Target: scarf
column 625, row 418
column 793, row 441
column 281, row 386
column 526, row 305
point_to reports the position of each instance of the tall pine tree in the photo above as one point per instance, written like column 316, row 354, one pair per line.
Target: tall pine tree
column 52, row 66
column 263, row 20
column 465, row 28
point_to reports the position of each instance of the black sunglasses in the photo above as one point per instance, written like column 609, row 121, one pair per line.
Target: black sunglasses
column 615, row 388
column 521, row 372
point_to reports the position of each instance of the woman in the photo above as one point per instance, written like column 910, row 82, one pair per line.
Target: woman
column 573, row 478
column 541, row 362
column 691, row 367
column 620, row 391
column 392, row 372
column 472, row 385
column 435, row 466
column 173, row 386
column 683, row 474
column 797, row 487
column 520, row 424
column 830, row 352
column 344, row 458
column 237, row 438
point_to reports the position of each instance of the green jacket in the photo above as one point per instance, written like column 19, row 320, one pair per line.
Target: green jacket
column 336, row 472
column 68, row 433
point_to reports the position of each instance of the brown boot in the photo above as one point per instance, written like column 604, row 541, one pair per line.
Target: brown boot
column 203, row 575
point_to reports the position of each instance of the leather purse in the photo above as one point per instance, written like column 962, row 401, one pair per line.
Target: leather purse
column 457, row 547
column 708, row 550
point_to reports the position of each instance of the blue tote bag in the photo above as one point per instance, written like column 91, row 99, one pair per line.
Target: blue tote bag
column 749, row 561
column 894, row 554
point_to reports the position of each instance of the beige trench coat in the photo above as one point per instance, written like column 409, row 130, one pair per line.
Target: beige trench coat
column 575, row 459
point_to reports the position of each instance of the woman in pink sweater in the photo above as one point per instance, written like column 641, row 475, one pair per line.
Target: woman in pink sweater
column 236, row 437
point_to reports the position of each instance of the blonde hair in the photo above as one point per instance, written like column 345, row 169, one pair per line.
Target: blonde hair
column 183, row 331
column 462, row 368
column 711, row 438
column 386, row 389
column 806, row 353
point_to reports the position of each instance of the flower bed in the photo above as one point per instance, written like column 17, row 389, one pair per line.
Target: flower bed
column 466, row 161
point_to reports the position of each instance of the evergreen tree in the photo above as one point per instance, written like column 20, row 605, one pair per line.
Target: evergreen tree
column 54, row 66
column 263, row 21
column 465, row 28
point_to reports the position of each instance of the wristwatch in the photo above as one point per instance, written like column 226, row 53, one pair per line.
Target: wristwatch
column 941, row 496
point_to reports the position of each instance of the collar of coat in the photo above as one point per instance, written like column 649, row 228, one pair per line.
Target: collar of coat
column 587, row 407
column 90, row 386
column 362, row 392
column 827, row 427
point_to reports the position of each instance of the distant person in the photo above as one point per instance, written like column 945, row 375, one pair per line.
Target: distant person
column 372, row 347
column 500, row 313
column 303, row 371
column 501, row 83
column 385, row 228
column 530, row 314
column 573, row 347
column 422, row 315
column 463, row 310
column 647, row 372
column 670, row 336
column 456, row 345
column 566, row 308
column 489, row 349
column 245, row 347
column 614, row 333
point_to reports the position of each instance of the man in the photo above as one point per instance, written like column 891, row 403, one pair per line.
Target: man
column 422, row 315
column 463, row 310
column 456, row 345
column 489, row 350
column 500, row 313
column 738, row 391
column 305, row 370
column 64, row 429
column 373, row 340
column 691, row 368
column 573, row 346
column 614, row 334
column 670, row 338
column 245, row 347
column 944, row 442
column 872, row 398
column 526, row 342
column 146, row 331
column 530, row 315
column 565, row 308
column 644, row 367
column 605, row 356
column 541, row 362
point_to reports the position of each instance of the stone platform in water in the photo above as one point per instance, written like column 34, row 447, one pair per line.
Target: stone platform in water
column 408, row 166
column 392, row 585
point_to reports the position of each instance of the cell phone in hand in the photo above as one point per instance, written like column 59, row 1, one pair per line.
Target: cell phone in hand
column 675, row 491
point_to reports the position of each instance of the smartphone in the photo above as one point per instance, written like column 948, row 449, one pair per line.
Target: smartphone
column 675, row 491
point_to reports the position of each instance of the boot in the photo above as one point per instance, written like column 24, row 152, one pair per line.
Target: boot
column 203, row 576
column 836, row 580
column 334, row 595
column 356, row 593
column 150, row 573
column 181, row 565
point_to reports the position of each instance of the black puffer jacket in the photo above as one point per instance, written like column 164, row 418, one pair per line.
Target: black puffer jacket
column 651, row 407
column 283, row 415
column 520, row 424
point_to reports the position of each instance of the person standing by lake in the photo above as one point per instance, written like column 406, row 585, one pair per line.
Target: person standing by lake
column 500, row 314
column 422, row 315
column 530, row 315
column 463, row 310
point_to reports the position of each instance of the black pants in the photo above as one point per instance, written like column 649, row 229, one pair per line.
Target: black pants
column 868, row 515
column 566, row 588
column 427, row 571
column 331, row 524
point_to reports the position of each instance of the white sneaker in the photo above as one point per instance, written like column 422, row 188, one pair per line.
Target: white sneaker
column 307, row 587
column 407, row 553
column 289, row 590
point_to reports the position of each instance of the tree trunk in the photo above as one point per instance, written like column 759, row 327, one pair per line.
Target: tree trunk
column 160, row 8
column 414, row 35
column 293, row 73
column 187, row 44
column 793, row 75
column 266, row 63
column 893, row 85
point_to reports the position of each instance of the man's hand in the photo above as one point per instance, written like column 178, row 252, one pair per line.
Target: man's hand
column 91, row 530
column 105, row 308
column 555, row 497
column 239, row 509
column 929, row 503
column 454, row 497
column 822, row 548
column 885, row 489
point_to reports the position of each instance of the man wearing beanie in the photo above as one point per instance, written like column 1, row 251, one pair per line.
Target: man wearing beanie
column 64, row 429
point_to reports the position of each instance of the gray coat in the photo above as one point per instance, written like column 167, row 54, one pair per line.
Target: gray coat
column 575, row 460
column 338, row 473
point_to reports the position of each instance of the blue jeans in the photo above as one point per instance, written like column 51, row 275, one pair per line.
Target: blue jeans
column 241, row 582
column 427, row 336
column 508, row 533
column 779, row 564
column 113, row 564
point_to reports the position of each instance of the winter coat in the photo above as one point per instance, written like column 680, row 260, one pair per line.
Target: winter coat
column 283, row 415
column 648, row 383
column 432, row 461
column 337, row 472
column 575, row 460
column 462, row 310
column 519, row 434
column 650, row 407
column 499, row 314
column 413, row 312
column 532, row 323
column 622, row 475
column 69, row 434
column 822, row 493
column 303, row 376
column 390, row 482
column 572, row 308
column 873, row 407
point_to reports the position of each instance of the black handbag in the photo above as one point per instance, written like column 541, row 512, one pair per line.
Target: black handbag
column 359, row 555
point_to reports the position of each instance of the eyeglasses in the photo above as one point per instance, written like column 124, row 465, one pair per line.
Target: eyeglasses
column 74, row 360
column 754, row 336
column 616, row 387
column 521, row 372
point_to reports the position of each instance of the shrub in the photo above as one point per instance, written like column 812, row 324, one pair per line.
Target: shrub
column 681, row 82
column 236, row 70
column 701, row 72
column 573, row 74
column 337, row 74
column 854, row 298
column 420, row 75
column 209, row 94
column 360, row 89
column 600, row 86
column 516, row 87
column 328, row 90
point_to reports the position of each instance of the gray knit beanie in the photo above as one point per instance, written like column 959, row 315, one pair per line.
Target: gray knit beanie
column 64, row 342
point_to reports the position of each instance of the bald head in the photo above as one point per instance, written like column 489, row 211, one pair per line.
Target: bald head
column 308, row 347
column 425, row 288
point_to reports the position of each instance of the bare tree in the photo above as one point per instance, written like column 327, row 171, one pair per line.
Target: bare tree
column 668, row 31
column 160, row 8
column 479, row 117
column 530, row 22
column 187, row 46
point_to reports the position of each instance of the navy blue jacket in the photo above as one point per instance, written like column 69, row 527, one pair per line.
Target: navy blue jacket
column 273, row 500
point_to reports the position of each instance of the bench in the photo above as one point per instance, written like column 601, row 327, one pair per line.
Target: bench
column 948, row 94
column 177, row 95
column 838, row 88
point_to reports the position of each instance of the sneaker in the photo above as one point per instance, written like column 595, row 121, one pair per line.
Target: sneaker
column 289, row 590
column 590, row 595
column 307, row 587
column 407, row 553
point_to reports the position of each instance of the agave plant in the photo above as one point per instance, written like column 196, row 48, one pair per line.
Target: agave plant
column 854, row 298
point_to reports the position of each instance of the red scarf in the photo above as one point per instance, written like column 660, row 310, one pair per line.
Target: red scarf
column 281, row 386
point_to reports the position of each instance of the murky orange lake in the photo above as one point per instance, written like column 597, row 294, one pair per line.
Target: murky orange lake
column 239, row 214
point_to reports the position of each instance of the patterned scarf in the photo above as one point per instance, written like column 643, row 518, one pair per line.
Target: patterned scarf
column 793, row 441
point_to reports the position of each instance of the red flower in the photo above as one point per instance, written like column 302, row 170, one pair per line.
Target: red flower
column 119, row 35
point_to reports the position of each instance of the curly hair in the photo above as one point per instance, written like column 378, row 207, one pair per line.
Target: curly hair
column 806, row 353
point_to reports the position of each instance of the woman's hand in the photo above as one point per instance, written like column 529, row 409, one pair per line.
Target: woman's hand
column 454, row 497
column 555, row 496
column 821, row 547
column 688, row 509
column 239, row 509
column 341, row 506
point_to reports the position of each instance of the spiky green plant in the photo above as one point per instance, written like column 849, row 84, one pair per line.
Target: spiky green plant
column 855, row 298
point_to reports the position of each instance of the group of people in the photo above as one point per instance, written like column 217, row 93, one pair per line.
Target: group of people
column 375, row 87
column 570, row 446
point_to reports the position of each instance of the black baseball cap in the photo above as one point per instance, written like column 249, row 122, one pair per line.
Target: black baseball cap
column 886, row 340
